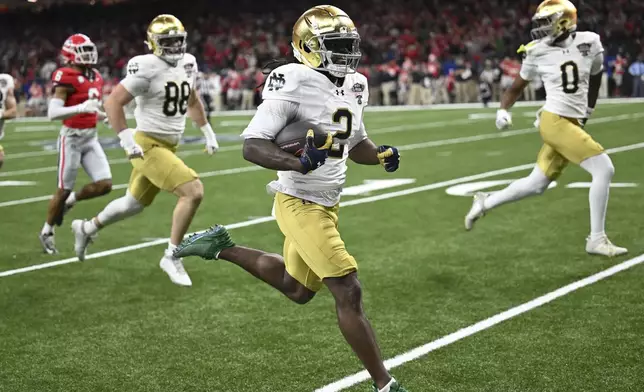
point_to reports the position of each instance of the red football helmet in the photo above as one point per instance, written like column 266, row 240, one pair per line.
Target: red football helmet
column 79, row 49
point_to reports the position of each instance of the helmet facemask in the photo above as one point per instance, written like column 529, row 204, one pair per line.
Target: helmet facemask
column 550, row 27
column 339, row 53
column 169, row 47
column 86, row 54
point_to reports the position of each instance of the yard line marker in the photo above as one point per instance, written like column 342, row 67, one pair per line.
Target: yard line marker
column 463, row 333
column 265, row 219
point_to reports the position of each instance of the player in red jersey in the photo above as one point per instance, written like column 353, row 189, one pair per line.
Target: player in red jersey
column 77, row 93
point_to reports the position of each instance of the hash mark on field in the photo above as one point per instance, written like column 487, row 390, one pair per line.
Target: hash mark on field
column 425, row 349
column 265, row 219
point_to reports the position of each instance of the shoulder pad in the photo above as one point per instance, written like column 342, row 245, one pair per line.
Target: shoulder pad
column 6, row 81
column 144, row 66
column 284, row 81
column 65, row 76
column 523, row 49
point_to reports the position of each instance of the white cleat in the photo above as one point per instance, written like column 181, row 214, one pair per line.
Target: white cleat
column 603, row 246
column 174, row 268
column 48, row 243
column 81, row 239
column 477, row 211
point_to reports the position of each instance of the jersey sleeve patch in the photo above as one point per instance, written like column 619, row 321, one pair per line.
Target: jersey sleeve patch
column 282, row 84
column 139, row 76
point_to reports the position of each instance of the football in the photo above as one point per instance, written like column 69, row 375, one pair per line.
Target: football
column 293, row 137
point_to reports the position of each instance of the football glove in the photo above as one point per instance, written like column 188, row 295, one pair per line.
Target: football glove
column 89, row 106
column 211, row 139
column 503, row 119
column 132, row 149
column 313, row 157
column 583, row 121
column 389, row 158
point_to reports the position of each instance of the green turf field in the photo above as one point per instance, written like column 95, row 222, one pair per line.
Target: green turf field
column 117, row 323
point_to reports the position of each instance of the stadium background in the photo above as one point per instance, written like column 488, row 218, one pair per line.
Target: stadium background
column 415, row 52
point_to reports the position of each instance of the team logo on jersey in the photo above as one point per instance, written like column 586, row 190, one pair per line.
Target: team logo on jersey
column 132, row 68
column 584, row 49
column 357, row 88
column 81, row 80
column 276, row 82
column 339, row 92
column 189, row 69
column 3, row 83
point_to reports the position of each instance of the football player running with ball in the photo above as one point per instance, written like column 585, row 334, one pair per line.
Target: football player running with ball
column 163, row 85
column 78, row 89
column 324, row 90
column 570, row 64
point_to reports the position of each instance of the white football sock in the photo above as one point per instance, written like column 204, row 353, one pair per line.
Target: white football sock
column 170, row 250
column 47, row 229
column 534, row 184
column 92, row 226
column 119, row 209
column 388, row 386
column 602, row 169
column 71, row 199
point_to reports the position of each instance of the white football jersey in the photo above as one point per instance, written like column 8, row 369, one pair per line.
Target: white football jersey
column 6, row 85
column 314, row 98
column 565, row 70
column 162, row 93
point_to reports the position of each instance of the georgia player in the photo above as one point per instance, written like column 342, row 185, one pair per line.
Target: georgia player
column 76, row 101
column 8, row 109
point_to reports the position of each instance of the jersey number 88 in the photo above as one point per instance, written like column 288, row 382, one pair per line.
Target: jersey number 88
column 176, row 98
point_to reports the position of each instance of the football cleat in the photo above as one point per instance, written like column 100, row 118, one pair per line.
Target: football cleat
column 394, row 387
column 81, row 239
column 173, row 266
column 207, row 244
column 48, row 243
column 603, row 246
column 477, row 211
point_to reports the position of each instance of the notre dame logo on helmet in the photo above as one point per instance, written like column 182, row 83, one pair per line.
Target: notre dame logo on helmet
column 275, row 82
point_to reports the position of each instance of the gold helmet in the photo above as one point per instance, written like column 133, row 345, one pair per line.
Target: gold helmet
column 325, row 38
column 553, row 19
column 167, row 38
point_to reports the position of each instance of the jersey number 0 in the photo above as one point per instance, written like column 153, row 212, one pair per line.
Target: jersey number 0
column 570, row 77
column 176, row 98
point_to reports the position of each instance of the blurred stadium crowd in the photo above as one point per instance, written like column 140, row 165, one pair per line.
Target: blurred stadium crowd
column 414, row 51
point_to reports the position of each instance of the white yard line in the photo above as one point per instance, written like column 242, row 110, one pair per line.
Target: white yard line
column 260, row 220
column 425, row 349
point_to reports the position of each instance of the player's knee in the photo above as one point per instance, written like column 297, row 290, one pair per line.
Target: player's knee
column 348, row 293
column 131, row 205
column 192, row 191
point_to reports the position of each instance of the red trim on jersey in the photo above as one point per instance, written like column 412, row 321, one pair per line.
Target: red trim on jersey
column 61, row 166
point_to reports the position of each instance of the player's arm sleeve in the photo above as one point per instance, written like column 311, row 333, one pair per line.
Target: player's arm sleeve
column 598, row 64
column 529, row 67
column 271, row 117
column 359, row 135
column 138, row 79
column 283, row 84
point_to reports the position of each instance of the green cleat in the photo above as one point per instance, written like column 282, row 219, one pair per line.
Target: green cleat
column 395, row 387
column 207, row 244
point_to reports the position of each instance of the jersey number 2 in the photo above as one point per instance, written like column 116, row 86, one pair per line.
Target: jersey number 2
column 338, row 116
column 570, row 77
column 176, row 99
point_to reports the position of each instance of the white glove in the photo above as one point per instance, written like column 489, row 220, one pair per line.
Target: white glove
column 538, row 120
column 211, row 139
column 89, row 106
column 101, row 116
column 503, row 119
column 132, row 149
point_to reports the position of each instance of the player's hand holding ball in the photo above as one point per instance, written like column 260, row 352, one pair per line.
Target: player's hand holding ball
column 503, row 119
column 313, row 157
column 389, row 158
column 132, row 149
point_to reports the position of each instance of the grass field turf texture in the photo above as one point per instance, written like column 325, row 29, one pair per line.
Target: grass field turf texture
column 117, row 323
